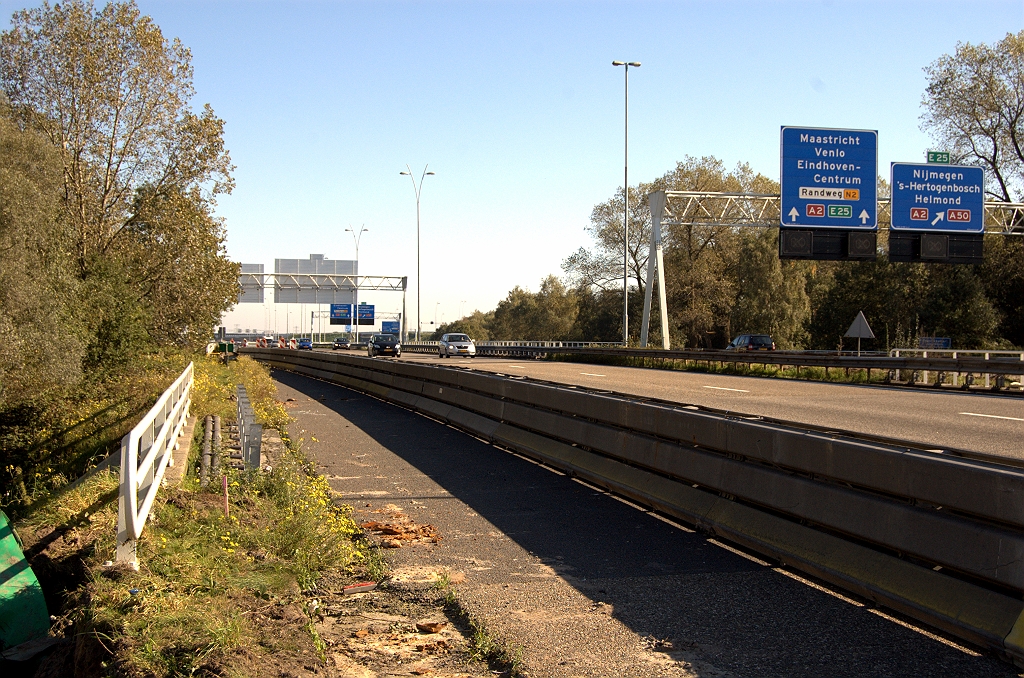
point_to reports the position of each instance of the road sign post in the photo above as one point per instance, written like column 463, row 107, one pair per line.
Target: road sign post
column 938, row 213
column 829, row 206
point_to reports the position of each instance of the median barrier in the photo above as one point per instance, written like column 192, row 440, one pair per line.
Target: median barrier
column 873, row 518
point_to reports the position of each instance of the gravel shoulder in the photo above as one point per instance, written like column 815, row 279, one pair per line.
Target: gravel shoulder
column 576, row 582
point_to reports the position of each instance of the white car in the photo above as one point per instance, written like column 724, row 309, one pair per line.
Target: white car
column 456, row 344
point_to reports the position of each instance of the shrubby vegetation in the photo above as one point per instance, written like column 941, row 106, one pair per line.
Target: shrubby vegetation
column 114, row 266
column 722, row 281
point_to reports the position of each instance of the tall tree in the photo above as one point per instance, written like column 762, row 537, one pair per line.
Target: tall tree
column 701, row 261
column 112, row 96
column 547, row 315
column 140, row 170
column 36, row 293
column 974, row 106
column 771, row 295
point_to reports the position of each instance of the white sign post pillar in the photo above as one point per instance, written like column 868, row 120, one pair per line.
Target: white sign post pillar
column 655, row 262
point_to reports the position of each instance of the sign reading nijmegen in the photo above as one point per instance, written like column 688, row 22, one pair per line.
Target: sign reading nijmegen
column 829, row 178
column 938, row 197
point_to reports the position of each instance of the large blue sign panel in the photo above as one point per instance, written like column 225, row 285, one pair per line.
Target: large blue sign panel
column 341, row 314
column 390, row 326
column 829, row 178
column 365, row 314
column 938, row 198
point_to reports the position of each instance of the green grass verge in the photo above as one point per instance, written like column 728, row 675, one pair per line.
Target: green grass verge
column 214, row 594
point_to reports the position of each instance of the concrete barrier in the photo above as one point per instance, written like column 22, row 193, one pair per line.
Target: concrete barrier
column 722, row 473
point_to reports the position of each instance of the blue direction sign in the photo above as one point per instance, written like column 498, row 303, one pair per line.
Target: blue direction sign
column 341, row 314
column 938, row 198
column 829, row 178
column 390, row 326
column 365, row 313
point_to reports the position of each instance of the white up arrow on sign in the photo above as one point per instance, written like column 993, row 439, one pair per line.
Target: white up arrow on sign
column 940, row 217
column 793, row 214
column 864, row 216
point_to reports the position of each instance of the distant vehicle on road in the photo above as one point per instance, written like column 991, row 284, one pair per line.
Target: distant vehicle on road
column 304, row 344
column 383, row 344
column 456, row 344
column 751, row 342
column 342, row 342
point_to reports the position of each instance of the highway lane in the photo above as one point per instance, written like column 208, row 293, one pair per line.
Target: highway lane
column 974, row 421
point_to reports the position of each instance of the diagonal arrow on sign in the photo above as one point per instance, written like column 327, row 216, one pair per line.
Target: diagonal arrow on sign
column 793, row 214
column 940, row 217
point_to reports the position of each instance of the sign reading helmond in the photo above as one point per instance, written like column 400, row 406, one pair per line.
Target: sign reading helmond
column 938, row 198
column 829, row 178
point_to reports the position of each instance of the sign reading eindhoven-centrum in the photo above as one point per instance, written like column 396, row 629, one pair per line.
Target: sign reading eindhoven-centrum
column 938, row 198
column 829, row 178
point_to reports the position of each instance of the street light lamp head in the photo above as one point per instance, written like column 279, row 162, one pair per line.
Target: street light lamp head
column 404, row 173
column 634, row 64
column 430, row 174
column 618, row 63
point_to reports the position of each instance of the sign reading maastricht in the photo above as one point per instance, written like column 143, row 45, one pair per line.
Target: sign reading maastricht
column 829, row 178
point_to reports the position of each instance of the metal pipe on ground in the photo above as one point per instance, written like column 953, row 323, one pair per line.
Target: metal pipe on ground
column 204, row 466
column 216, row 451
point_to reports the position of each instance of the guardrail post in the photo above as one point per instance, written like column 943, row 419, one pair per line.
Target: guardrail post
column 126, row 546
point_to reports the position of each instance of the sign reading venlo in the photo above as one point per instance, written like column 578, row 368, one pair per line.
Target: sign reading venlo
column 938, row 198
column 829, row 178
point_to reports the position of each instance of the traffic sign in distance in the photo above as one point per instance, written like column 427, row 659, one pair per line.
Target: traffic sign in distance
column 341, row 314
column 938, row 198
column 829, row 178
column 938, row 157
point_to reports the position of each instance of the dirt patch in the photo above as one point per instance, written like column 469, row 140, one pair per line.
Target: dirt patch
column 403, row 627
column 398, row 529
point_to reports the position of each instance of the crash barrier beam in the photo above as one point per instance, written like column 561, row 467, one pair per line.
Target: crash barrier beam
column 250, row 434
column 873, row 518
column 996, row 364
column 146, row 451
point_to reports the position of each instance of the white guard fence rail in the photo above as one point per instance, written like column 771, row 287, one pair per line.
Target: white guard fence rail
column 146, row 452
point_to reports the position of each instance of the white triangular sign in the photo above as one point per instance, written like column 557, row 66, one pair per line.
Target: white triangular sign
column 860, row 328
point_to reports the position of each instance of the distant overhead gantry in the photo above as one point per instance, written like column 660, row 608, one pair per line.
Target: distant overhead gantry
column 711, row 208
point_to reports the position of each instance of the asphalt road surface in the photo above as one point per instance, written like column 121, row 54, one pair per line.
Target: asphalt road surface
column 586, row 584
column 980, row 422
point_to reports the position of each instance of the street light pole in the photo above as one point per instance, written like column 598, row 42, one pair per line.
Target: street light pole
column 625, row 213
column 355, row 307
column 418, row 189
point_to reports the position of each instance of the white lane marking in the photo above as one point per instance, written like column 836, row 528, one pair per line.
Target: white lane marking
column 588, row 374
column 992, row 416
column 516, row 367
column 722, row 388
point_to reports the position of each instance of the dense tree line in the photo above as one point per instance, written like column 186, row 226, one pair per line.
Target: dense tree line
column 108, row 180
column 721, row 281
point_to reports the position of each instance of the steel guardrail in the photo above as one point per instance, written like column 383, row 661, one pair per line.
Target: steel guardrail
column 250, row 434
column 146, row 451
column 1000, row 365
column 892, row 503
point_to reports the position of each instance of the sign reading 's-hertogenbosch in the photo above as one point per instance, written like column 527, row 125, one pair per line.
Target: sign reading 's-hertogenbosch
column 829, row 178
column 938, row 198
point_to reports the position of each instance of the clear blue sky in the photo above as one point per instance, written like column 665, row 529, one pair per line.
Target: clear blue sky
column 517, row 108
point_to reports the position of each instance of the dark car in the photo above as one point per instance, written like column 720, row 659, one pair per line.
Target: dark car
column 751, row 342
column 383, row 344
column 304, row 344
column 342, row 342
